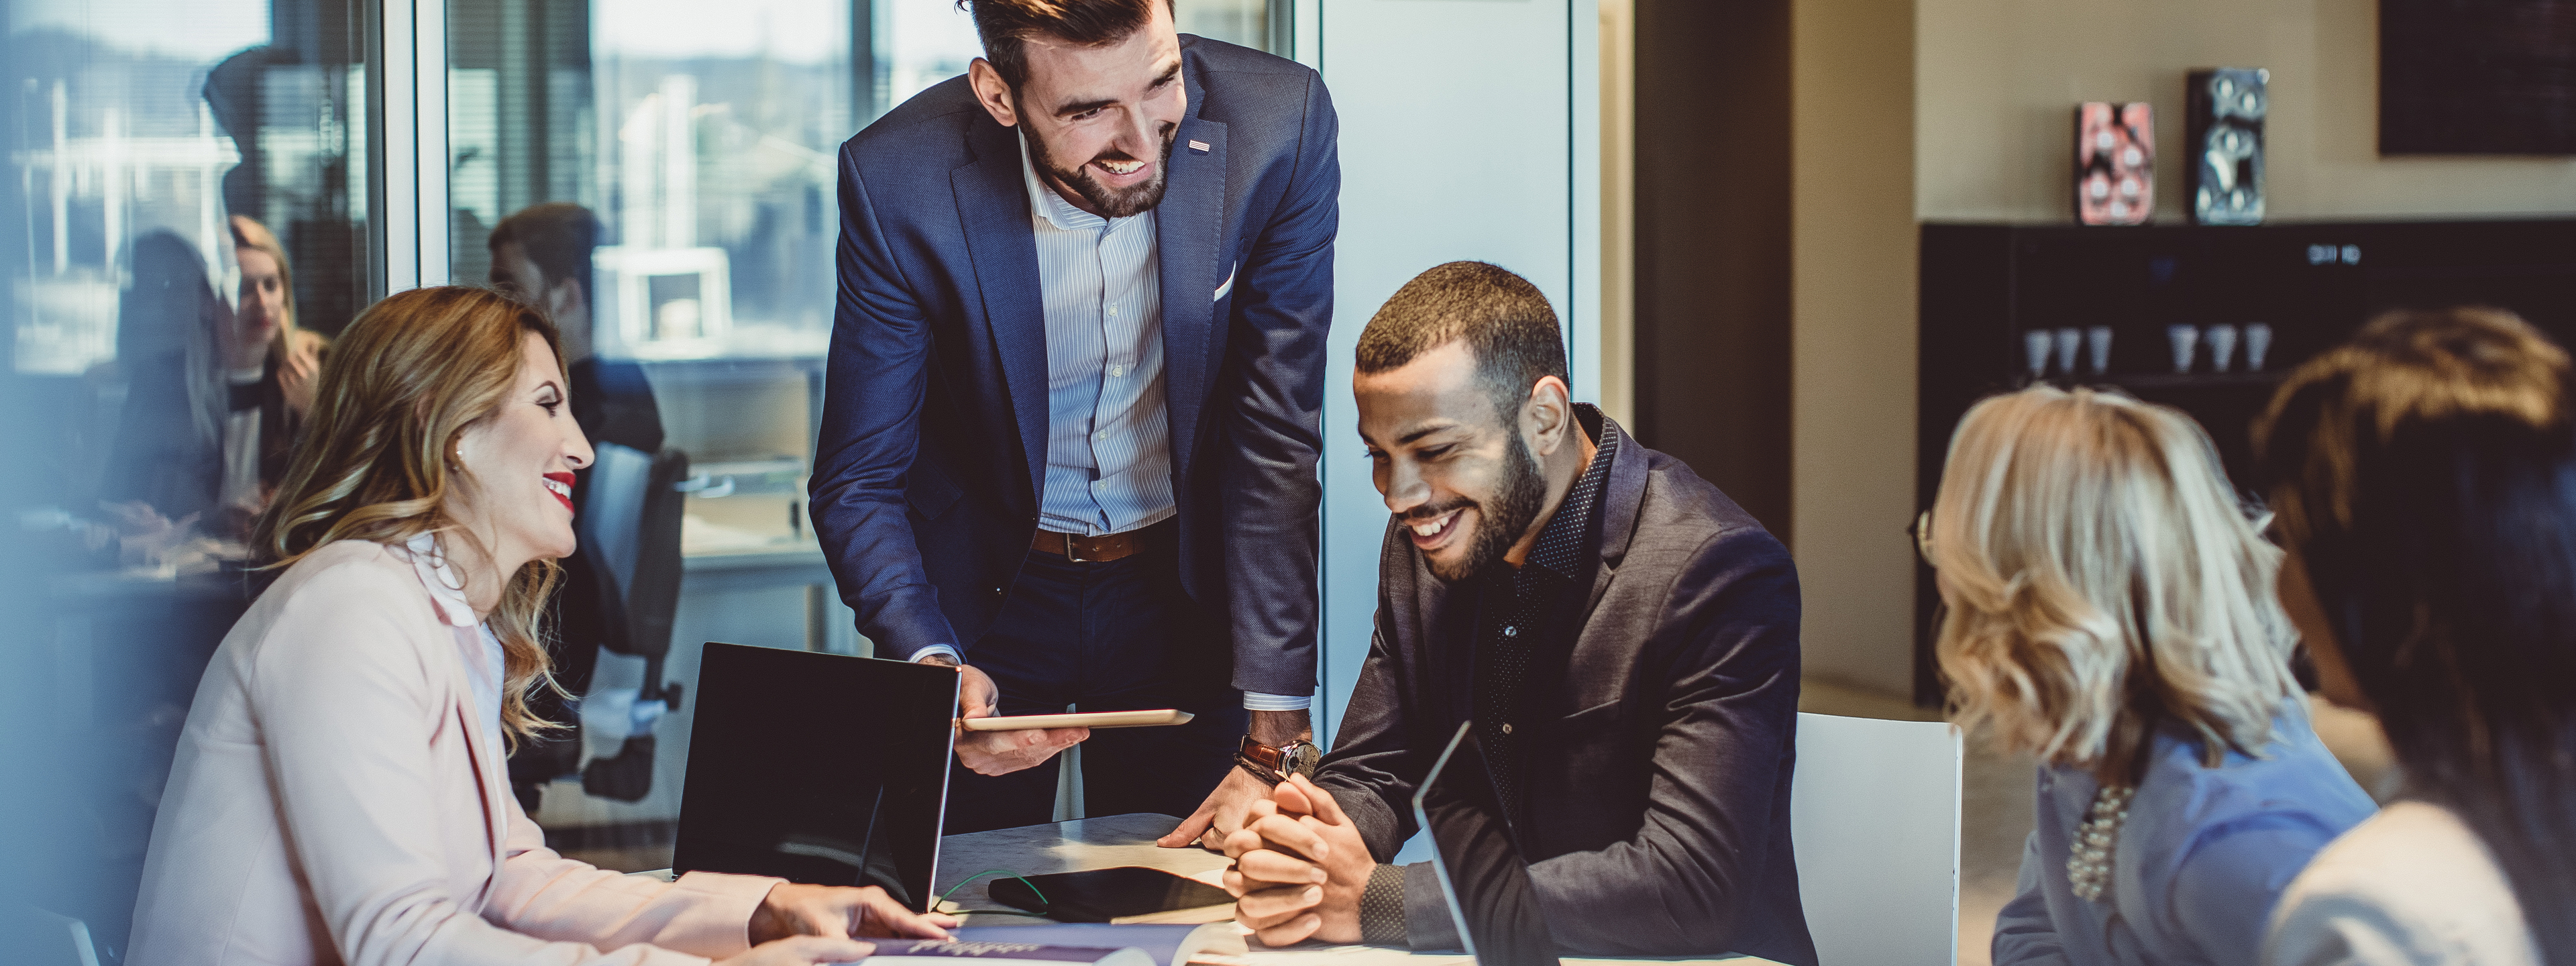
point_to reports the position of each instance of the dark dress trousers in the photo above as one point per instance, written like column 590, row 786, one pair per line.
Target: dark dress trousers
column 933, row 445
column 1658, row 724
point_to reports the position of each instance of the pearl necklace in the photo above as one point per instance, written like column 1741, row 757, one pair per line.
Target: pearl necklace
column 2088, row 867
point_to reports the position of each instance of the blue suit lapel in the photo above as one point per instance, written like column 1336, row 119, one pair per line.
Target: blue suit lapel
column 1187, row 226
column 993, row 206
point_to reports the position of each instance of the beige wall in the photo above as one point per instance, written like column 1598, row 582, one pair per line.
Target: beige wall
column 1997, row 81
column 1852, row 345
column 1618, row 210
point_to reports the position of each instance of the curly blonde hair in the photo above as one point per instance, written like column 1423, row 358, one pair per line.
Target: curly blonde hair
column 400, row 388
column 2098, row 575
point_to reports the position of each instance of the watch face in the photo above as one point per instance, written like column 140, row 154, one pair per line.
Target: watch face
column 1298, row 757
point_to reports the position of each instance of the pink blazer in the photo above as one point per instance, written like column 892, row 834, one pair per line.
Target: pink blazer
column 333, row 802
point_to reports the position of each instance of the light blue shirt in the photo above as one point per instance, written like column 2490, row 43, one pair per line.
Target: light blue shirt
column 2198, row 864
column 1109, row 435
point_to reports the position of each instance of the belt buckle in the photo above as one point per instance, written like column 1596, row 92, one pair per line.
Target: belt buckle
column 1073, row 549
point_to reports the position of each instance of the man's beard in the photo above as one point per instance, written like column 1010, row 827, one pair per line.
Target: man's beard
column 1122, row 203
column 1503, row 520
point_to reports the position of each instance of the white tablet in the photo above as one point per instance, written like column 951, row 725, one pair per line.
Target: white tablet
column 1090, row 719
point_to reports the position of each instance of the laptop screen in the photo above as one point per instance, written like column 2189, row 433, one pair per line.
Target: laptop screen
column 1481, row 872
column 817, row 768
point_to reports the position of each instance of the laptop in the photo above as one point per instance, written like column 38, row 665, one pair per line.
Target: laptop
column 818, row 768
column 1479, row 864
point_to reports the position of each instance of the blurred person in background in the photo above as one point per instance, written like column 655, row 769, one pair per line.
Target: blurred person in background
column 271, row 367
column 215, row 393
column 173, row 336
column 338, row 795
column 542, row 256
column 2108, row 607
column 2425, row 475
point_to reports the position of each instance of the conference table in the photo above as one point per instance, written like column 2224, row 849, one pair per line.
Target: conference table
column 1116, row 840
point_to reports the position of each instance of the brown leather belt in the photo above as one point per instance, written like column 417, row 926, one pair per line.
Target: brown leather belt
column 1081, row 549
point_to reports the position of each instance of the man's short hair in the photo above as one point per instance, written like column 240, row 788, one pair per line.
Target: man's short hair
column 1005, row 26
column 558, row 236
column 1504, row 320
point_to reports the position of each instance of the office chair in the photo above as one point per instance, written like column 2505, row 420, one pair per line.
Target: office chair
column 1874, row 812
column 636, row 505
column 49, row 938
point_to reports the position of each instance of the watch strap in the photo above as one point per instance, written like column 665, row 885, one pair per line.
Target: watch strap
column 1268, row 775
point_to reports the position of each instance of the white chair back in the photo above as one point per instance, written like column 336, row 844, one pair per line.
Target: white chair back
column 1875, row 813
column 47, row 938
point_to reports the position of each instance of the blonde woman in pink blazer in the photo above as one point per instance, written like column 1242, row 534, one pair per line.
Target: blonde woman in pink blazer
column 341, row 793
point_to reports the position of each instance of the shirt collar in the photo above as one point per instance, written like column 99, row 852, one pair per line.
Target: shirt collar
column 446, row 589
column 1048, row 204
column 1561, row 541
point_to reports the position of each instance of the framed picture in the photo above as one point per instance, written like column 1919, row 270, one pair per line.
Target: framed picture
column 2115, row 163
column 2224, row 132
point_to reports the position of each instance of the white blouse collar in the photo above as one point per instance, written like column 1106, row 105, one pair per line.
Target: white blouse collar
column 446, row 589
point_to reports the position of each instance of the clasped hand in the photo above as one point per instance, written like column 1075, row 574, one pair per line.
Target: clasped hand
column 797, row 925
column 1299, row 867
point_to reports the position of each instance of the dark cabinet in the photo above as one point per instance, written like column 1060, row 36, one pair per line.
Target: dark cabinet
column 1985, row 287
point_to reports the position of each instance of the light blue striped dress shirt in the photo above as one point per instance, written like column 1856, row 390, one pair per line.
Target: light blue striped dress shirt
column 1109, row 436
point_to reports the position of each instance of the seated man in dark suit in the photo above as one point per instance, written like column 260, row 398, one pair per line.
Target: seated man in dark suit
column 1624, row 637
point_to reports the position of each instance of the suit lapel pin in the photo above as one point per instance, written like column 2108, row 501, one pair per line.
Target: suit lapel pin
column 1199, row 147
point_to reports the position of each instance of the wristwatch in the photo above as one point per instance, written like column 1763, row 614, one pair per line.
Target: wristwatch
column 1274, row 765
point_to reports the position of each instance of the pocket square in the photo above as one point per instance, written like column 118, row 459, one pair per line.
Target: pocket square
column 1228, row 284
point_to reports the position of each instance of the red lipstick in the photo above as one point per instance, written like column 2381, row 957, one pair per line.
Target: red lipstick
column 563, row 490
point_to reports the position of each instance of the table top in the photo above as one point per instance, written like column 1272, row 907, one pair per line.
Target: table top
column 1089, row 843
column 1116, row 840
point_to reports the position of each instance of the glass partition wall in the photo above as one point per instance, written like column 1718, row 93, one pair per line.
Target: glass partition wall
column 164, row 158
column 699, row 142
column 167, row 157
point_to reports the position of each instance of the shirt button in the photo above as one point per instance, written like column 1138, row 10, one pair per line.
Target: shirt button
column 1507, row 727
column 1117, row 371
column 1102, row 485
column 1113, row 310
column 1510, row 632
column 1103, row 434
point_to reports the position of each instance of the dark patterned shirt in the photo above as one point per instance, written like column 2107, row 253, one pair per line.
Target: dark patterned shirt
column 1513, row 611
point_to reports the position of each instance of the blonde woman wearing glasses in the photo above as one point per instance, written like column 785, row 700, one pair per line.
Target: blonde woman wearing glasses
column 2109, row 610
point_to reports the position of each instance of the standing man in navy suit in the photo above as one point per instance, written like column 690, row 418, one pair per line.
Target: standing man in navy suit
column 1073, row 410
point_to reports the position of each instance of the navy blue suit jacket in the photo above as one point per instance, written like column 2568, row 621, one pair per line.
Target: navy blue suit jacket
column 933, row 449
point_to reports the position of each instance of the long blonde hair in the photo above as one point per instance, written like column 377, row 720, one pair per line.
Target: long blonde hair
column 402, row 385
column 2098, row 575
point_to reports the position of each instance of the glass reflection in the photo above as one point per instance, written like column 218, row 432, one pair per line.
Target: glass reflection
column 187, row 229
column 697, row 146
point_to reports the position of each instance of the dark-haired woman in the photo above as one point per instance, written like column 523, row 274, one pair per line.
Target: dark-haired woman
column 2425, row 477
column 339, row 794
